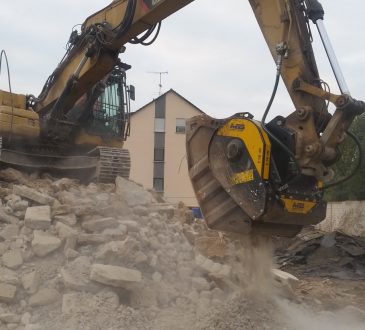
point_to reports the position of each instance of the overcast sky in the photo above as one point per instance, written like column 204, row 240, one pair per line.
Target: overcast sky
column 213, row 51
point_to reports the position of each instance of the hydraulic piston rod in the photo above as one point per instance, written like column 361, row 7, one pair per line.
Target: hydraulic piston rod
column 332, row 58
column 316, row 14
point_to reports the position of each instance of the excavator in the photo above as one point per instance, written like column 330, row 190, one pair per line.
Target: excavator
column 250, row 176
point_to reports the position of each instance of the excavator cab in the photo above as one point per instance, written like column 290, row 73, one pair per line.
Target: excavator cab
column 104, row 111
column 110, row 114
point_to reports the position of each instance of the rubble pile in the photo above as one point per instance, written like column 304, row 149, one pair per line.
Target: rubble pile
column 105, row 256
column 318, row 253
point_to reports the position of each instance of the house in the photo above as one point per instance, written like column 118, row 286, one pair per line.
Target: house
column 157, row 147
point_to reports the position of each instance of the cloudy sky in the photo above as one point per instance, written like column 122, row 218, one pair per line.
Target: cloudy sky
column 213, row 51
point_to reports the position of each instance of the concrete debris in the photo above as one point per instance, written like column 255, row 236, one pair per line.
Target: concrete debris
column 5, row 217
column 9, row 232
column 285, row 278
column 65, row 231
column 75, row 275
column 38, row 217
column 331, row 254
column 43, row 243
column 67, row 219
column 8, row 276
column 117, row 256
column 99, row 224
column 33, row 195
column 212, row 268
column 7, row 292
column 131, row 193
column 31, row 281
column 115, row 275
column 44, row 297
column 9, row 318
column 12, row 259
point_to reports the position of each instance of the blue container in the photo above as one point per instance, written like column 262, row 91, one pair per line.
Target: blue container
column 197, row 213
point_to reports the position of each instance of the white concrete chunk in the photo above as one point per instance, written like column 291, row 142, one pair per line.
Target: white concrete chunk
column 7, row 292
column 43, row 243
column 100, row 224
column 38, row 217
column 9, row 318
column 33, row 195
column 8, row 276
column 12, row 259
column 65, row 231
column 285, row 278
column 212, row 268
column 44, row 297
column 9, row 232
column 114, row 275
column 132, row 193
column 31, row 281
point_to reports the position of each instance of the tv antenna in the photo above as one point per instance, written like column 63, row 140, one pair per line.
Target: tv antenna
column 160, row 73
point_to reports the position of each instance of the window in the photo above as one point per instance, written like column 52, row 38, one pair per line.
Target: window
column 159, row 125
column 160, row 107
column 159, row 140
column 158, row 184
column 158, row 170
column 180, row 125
column 159, row 155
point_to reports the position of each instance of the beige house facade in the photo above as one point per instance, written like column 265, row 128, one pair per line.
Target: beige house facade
column 157, row 147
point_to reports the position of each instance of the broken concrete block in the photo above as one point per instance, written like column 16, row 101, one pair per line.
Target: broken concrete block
column 114, row 275
column 43, row 243
column 132, row 193
column 25, row 318
column 285, row 279
column 117, row 251
column 12, row 259
column 65, row 231
column 9, row 232
column 68, row 219
column 200, row 284
column 38, row 217
column 9, row 318
column 141, row 210
column 85, row 303
column 64, row 184
column 8, row 276
column 33, row 195
column 7, row 292
column 75, row 303
column 212, row 268
column 20, row 205
column 116, row 234
column 44, row 297
column 91, row 239
column 31, row 282
column 5, row 217
column 100, row 224
column 75, row 275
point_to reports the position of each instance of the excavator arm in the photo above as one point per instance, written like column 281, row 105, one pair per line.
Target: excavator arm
column 94, row 53
column 254, row 177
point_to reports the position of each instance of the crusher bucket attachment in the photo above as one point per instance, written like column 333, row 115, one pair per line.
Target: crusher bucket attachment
column 236, row 179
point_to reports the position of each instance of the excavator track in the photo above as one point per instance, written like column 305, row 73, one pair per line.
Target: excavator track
column 102, row 164
column 113, row 162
